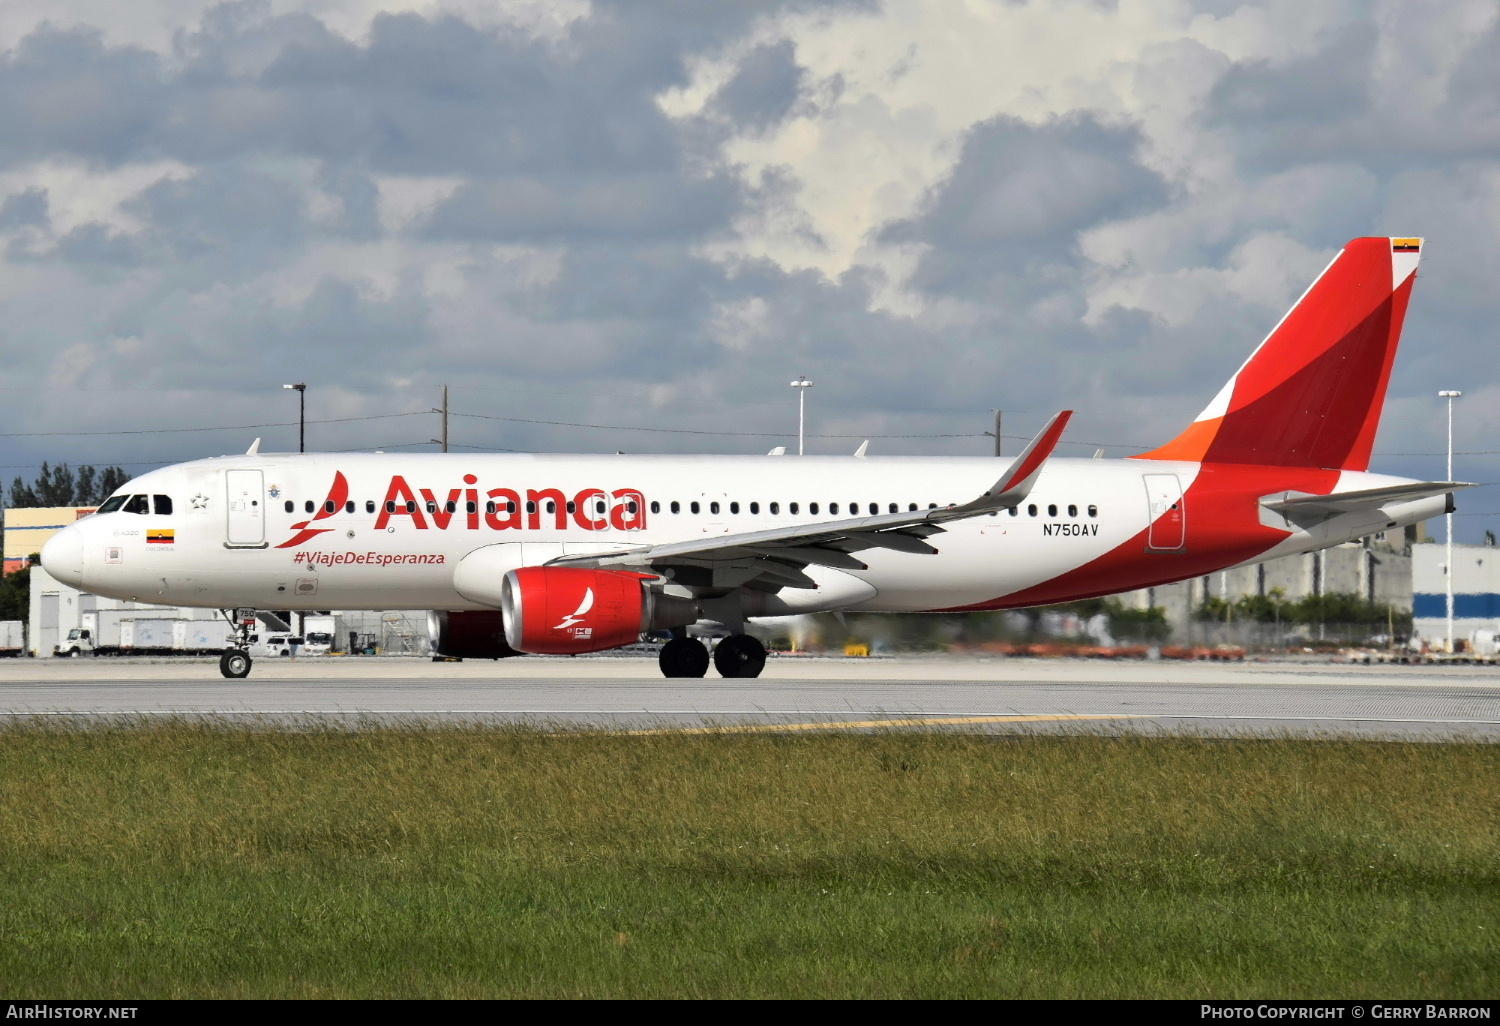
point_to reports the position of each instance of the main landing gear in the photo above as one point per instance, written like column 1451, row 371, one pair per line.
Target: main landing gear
column 738, row 655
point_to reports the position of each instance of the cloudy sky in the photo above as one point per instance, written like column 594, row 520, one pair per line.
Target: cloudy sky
column 653, row 215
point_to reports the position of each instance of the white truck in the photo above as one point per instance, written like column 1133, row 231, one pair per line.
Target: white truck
column 323, row 633
column 12, row 638
column 128, row 632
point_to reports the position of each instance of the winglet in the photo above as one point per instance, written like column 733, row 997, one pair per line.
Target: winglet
column 254, row 449
column 1012, row 489
column 1027, row 467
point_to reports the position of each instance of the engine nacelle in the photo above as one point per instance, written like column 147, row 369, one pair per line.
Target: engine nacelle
column 555, row 610
column 469, row 635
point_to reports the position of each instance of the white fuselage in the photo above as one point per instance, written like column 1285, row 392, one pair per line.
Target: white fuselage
column 254, row 531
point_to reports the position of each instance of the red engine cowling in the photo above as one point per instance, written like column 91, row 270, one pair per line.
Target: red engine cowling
column 469, row 635
column 551, row 610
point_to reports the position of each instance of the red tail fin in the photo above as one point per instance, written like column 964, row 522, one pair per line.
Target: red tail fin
column 1311, row 395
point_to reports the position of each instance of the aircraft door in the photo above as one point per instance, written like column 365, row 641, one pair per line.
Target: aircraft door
column 1168, row 511
column 246, row 525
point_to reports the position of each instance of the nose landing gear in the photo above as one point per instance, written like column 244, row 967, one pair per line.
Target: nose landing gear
column 235, row 662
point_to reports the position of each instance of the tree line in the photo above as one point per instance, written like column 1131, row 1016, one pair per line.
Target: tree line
column 62, row 485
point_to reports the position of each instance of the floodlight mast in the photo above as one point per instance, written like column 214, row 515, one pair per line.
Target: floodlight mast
column 801, row 385
column 301, row 390
column 1450, row 395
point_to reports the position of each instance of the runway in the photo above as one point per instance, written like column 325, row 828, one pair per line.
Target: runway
column 987, row 695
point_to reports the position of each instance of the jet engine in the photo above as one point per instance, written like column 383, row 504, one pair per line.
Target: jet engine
column 564, row 611
column 471, row 635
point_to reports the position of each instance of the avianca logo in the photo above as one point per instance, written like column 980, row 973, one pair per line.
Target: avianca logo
column 495, row 509
column 337, row 496
column 576, row 615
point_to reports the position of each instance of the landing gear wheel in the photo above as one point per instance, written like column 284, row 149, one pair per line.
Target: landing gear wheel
column 740, row 655
column 235, row 664
column 683, row 657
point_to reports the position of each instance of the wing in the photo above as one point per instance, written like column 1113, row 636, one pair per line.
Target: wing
column 775, row 558
column 1297, row 506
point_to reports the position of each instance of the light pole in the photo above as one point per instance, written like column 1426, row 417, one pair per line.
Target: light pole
column 301, row 390
column 1450, row 395
column 801, row 385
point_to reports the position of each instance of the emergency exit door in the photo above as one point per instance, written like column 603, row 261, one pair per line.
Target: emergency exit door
column 1168, row 511
column 246, row 508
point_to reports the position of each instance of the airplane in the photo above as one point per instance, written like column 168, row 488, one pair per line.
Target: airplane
column 567, row 554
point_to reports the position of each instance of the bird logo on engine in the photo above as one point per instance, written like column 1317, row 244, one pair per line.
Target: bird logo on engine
column 576, row 616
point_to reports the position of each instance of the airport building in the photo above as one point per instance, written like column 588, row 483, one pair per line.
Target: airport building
column 27, row 530
column 1377, row 569
column 1476, row 592
column 119, row 626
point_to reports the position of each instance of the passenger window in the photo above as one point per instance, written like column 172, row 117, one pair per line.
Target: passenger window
column 911, row 508
column 1093, row 511
column 471, row 506
column 755, row 507
column 308, row 506
column 692, row 507
column 137, row 504
column 452, row 506
column 530, row 505
column 655, row 506
column 1072, row 510
column 113, row 503
column 1052, row 509
column 551, row 506
column 630, row 507
column 431, row 506
column 349, row 506
column 411, row 505
column 792, row 508
column 1014, row 512
column 599, row 507
column 510, row 506
column 489, row 507
column 369, row 505
column 571, row 507
column 734, row 507
column 1031, row 510
column 775, row 508
column 893, row 507
column 676, row 506
column 390, row 506
column 329, row 507
column 932, row 505
column 812, row 507
column 833, row 508
column 713, row 507
column 290, row 505
column 163, row 504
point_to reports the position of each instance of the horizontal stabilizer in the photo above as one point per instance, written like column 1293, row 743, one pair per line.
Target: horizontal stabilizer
column 1291, row 503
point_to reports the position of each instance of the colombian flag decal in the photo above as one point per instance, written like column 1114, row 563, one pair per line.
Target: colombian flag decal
column 160, row 536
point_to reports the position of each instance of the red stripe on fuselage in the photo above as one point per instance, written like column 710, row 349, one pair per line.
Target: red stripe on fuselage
column 1224, row 529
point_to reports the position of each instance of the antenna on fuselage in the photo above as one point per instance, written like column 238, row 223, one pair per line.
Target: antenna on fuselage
column 254, row 449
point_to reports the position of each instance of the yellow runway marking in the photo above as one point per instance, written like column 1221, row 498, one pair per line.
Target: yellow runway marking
column 919, row 721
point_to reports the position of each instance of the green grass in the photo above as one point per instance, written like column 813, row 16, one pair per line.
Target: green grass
column 186, row 860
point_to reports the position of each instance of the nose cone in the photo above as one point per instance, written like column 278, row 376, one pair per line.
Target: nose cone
column 62, row 556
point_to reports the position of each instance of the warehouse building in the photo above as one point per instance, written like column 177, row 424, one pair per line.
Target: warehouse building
column 28, row 528
column 1476, row 593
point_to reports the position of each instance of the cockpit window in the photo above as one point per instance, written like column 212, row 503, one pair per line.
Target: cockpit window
column 163, row 504
column 138, row 504
column 113, row 503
